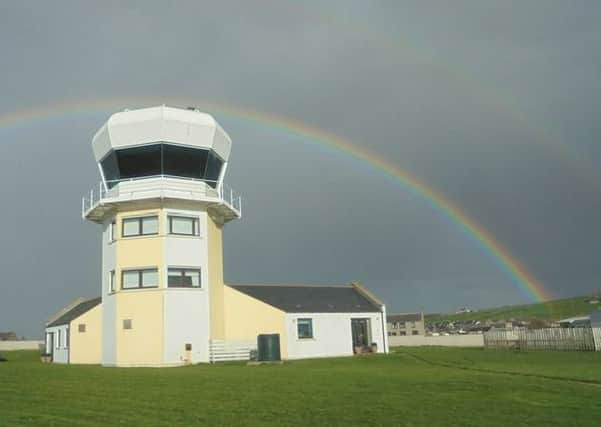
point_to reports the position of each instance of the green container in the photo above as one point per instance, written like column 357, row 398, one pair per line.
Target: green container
column 268, row 348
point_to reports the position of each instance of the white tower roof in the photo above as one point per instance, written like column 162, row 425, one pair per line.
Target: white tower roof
column 161, row 124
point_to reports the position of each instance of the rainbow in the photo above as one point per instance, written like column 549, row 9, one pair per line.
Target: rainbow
column 526, row 283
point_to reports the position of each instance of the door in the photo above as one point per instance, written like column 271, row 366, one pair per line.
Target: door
column 50, row 349
column 360, row 329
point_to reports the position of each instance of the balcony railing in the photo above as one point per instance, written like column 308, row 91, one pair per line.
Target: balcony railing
column 114, row 191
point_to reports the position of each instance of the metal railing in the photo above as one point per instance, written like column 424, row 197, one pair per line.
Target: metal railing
column 212, row 189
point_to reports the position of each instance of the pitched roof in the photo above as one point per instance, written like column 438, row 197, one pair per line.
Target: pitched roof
column 311, row 299
column 75, row 312
column 406, row 317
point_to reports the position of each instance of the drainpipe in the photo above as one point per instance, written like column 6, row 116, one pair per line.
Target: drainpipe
column 384, row 342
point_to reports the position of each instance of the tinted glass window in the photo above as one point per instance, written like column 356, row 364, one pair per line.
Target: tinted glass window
column 110, row 168
column 184, row 161
column 161, row 159
column 139, row 161
column 304, row 328
column 213, row 168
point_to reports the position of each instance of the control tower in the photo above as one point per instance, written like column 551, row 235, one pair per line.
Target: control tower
column 161, row 204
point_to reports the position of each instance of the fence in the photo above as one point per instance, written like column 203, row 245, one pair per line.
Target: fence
column 470, row 340
column 228, row 350
column 558, row 339
column 21, row 345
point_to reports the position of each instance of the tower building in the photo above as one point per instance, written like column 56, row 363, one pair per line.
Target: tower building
column 162, row 204
column 162, row 208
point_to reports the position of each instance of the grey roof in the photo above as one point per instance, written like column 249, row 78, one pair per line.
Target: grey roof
column 75, row 312
column 407, row 317
column 311, row 299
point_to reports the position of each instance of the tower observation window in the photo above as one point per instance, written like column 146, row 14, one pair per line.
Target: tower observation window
column 161, row 159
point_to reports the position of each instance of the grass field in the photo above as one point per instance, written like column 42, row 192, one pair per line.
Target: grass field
column 412, row 386
column 550, row 310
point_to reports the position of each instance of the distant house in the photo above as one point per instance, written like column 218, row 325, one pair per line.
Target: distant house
column 405, row 324
column 576, row 322
column 8, row 336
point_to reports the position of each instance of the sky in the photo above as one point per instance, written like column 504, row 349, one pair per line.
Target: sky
column 494, row 104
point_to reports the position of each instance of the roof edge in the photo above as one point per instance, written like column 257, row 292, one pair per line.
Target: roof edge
column 367, row 294
column 65, row 309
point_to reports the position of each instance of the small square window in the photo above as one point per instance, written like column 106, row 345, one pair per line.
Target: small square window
column 150, row 278
column 127, row 324
column 150, row 225
column 185, row 226
column 131, row 227
column 130, row 279
column 304, row 328
column 183, row 278
column 81, row 327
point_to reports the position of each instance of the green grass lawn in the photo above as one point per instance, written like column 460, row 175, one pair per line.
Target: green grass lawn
column 549, row 310
column 412, row 386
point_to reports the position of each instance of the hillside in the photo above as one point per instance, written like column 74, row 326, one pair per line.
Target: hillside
column 550, row 310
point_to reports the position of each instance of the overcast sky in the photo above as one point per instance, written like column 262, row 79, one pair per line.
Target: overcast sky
column 496, row 105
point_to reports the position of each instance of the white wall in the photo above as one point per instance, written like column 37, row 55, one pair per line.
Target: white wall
column 20, row 345
column 332, row 335
column 185, row 322
column 186, row 311
column 108, row 301
column 60, row 352
column 444, row 340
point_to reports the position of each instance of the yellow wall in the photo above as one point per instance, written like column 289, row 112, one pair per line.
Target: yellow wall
column 86, row 347
column 247, row 317
column 141, row 251
column 215, row 261
column 143, row 344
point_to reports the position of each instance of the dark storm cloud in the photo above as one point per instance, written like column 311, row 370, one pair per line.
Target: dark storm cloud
column 495, row 104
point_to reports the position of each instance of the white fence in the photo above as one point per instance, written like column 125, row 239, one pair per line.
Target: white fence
column 443, row 340
column 20, row 345
column 228, row 350
column 558, row 339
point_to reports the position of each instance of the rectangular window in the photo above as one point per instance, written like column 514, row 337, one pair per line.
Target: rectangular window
column 112, row 232
column 134, row 279
column 183, row 278
column 67, row 336
column 127, row 324
column 58, row 338
column 143, row 226
column 81, row 327
column 304, row 328
column 414, row 332
column 111, row 281
column 185, row 226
